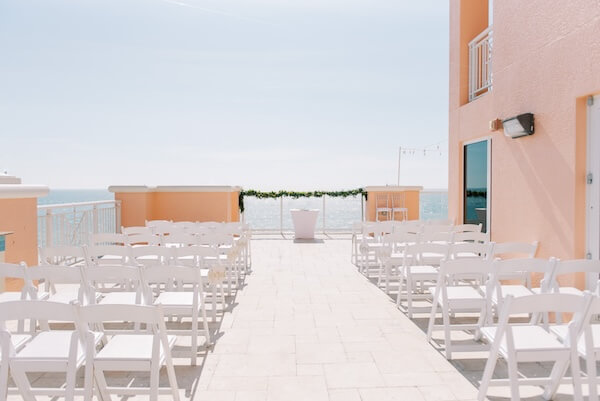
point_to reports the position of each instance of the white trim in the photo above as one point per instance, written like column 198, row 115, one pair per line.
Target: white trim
column 592, row 192
column 18, row 191
column 173, row 188
column 392, row 188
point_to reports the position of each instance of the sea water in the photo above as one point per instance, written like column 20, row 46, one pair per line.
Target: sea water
column 265, row 214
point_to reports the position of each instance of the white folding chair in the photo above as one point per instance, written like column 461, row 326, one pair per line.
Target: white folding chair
column 108, row 255
column 148, row 255
column 212, row 268
column 48, row 350
column 515, row 250
column 169, row 286
column 532, row 342
column 179, row 239
column 62, row 255
column 134, row 351
column 391, row 256
column 590, row 269
column 136, row 230
column 417, row 276
column 588, row 347
column 466, row 228
column 496, row 291
column 108, row 239
column 399, row 206
column 453, row 295
column 135, row 240
column 67, row 278
column 15, row 272
column 117, row 284
column 470, row 237
column 382, row 206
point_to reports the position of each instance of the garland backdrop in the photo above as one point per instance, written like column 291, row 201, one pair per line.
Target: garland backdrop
column 296, row 195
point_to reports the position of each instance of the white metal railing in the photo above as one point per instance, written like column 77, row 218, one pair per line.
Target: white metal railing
column 275, row 214
column 480, row 64
column 70, row 224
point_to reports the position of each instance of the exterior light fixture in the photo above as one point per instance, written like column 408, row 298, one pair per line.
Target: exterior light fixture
column 521, row 125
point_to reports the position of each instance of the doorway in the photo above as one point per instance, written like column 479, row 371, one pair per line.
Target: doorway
column 476, row 183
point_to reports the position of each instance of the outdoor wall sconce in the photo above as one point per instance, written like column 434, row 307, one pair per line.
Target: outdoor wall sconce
column 521, row 125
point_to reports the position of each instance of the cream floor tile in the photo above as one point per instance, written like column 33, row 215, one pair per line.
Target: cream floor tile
column 353, row 375
column 297, row 388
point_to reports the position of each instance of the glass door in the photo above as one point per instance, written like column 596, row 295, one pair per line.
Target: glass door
column 476, row 197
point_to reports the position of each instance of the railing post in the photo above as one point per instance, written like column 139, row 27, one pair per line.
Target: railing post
column 281, row 215
column 118, row 216
column 324, row 196
column 49, row 227
column 95, row 219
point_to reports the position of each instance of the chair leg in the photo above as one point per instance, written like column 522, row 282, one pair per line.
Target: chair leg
column 3, row 379
column 513, row 376
column 214, row 302
column 23, row 384
column 487, row 373
column 434, row 306
column 101, row 384
column 558, row 371
column 194, row 356
column 70, row 383
column 409, row 297
column 172, row 379
column 447, row 332
column 592, row 378
column 154, row 380
column 576, row 375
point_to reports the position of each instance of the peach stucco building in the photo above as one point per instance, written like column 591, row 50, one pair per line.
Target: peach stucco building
column 516, row 57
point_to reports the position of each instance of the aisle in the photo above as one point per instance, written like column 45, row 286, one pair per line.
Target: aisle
column 308, row 327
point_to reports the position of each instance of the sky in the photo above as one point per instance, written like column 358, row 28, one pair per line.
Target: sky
column 266, row 94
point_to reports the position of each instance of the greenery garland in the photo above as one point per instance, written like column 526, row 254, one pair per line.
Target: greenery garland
column 296, row 195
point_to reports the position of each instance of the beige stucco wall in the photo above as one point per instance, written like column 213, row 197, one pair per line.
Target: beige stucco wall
column 178, row 204
column 545, row 61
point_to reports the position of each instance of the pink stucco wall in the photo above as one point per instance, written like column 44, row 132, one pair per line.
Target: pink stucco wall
column 545, row 61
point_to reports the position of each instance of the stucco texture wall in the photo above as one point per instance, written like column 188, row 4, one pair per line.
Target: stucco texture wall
column 545, row 61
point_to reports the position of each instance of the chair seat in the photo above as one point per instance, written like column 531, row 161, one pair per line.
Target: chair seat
column 562, row 330
column 561, row 290
column 175, row 298
column 11, row 296
column 18, row 341
column 119, row 297
column 16, row 296
column 51, row 345
column 514, row 290
column 527, row 339
column 463, row 292
column 423, row 272
column 129, row 347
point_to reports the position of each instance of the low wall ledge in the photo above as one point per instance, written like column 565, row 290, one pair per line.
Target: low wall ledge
column 18, row 191
column 392, row 188
column 174, row 188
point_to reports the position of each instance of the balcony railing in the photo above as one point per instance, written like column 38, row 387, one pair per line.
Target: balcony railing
column 480, row 64
column 70, row 224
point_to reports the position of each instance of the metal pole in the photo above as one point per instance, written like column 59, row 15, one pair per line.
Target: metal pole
column 281, row 215
column 399, row 160
column 324, row 196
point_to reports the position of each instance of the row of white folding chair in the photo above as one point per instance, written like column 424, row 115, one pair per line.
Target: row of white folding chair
column 390, row 255
column 420, row 263
column 213, row 264
column 453, row 298
column 84, row 347
column 180, row 289
column 534, row 342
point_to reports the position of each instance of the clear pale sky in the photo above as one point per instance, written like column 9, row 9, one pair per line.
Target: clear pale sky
column 267, row 94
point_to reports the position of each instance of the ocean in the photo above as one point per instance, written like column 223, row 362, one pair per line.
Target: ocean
column 264, row 214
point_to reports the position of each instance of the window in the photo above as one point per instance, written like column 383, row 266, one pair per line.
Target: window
column 476, row 197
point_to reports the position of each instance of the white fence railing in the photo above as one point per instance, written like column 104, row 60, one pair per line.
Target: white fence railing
column 336, row 214
column 70, row 224
column 480, row 64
